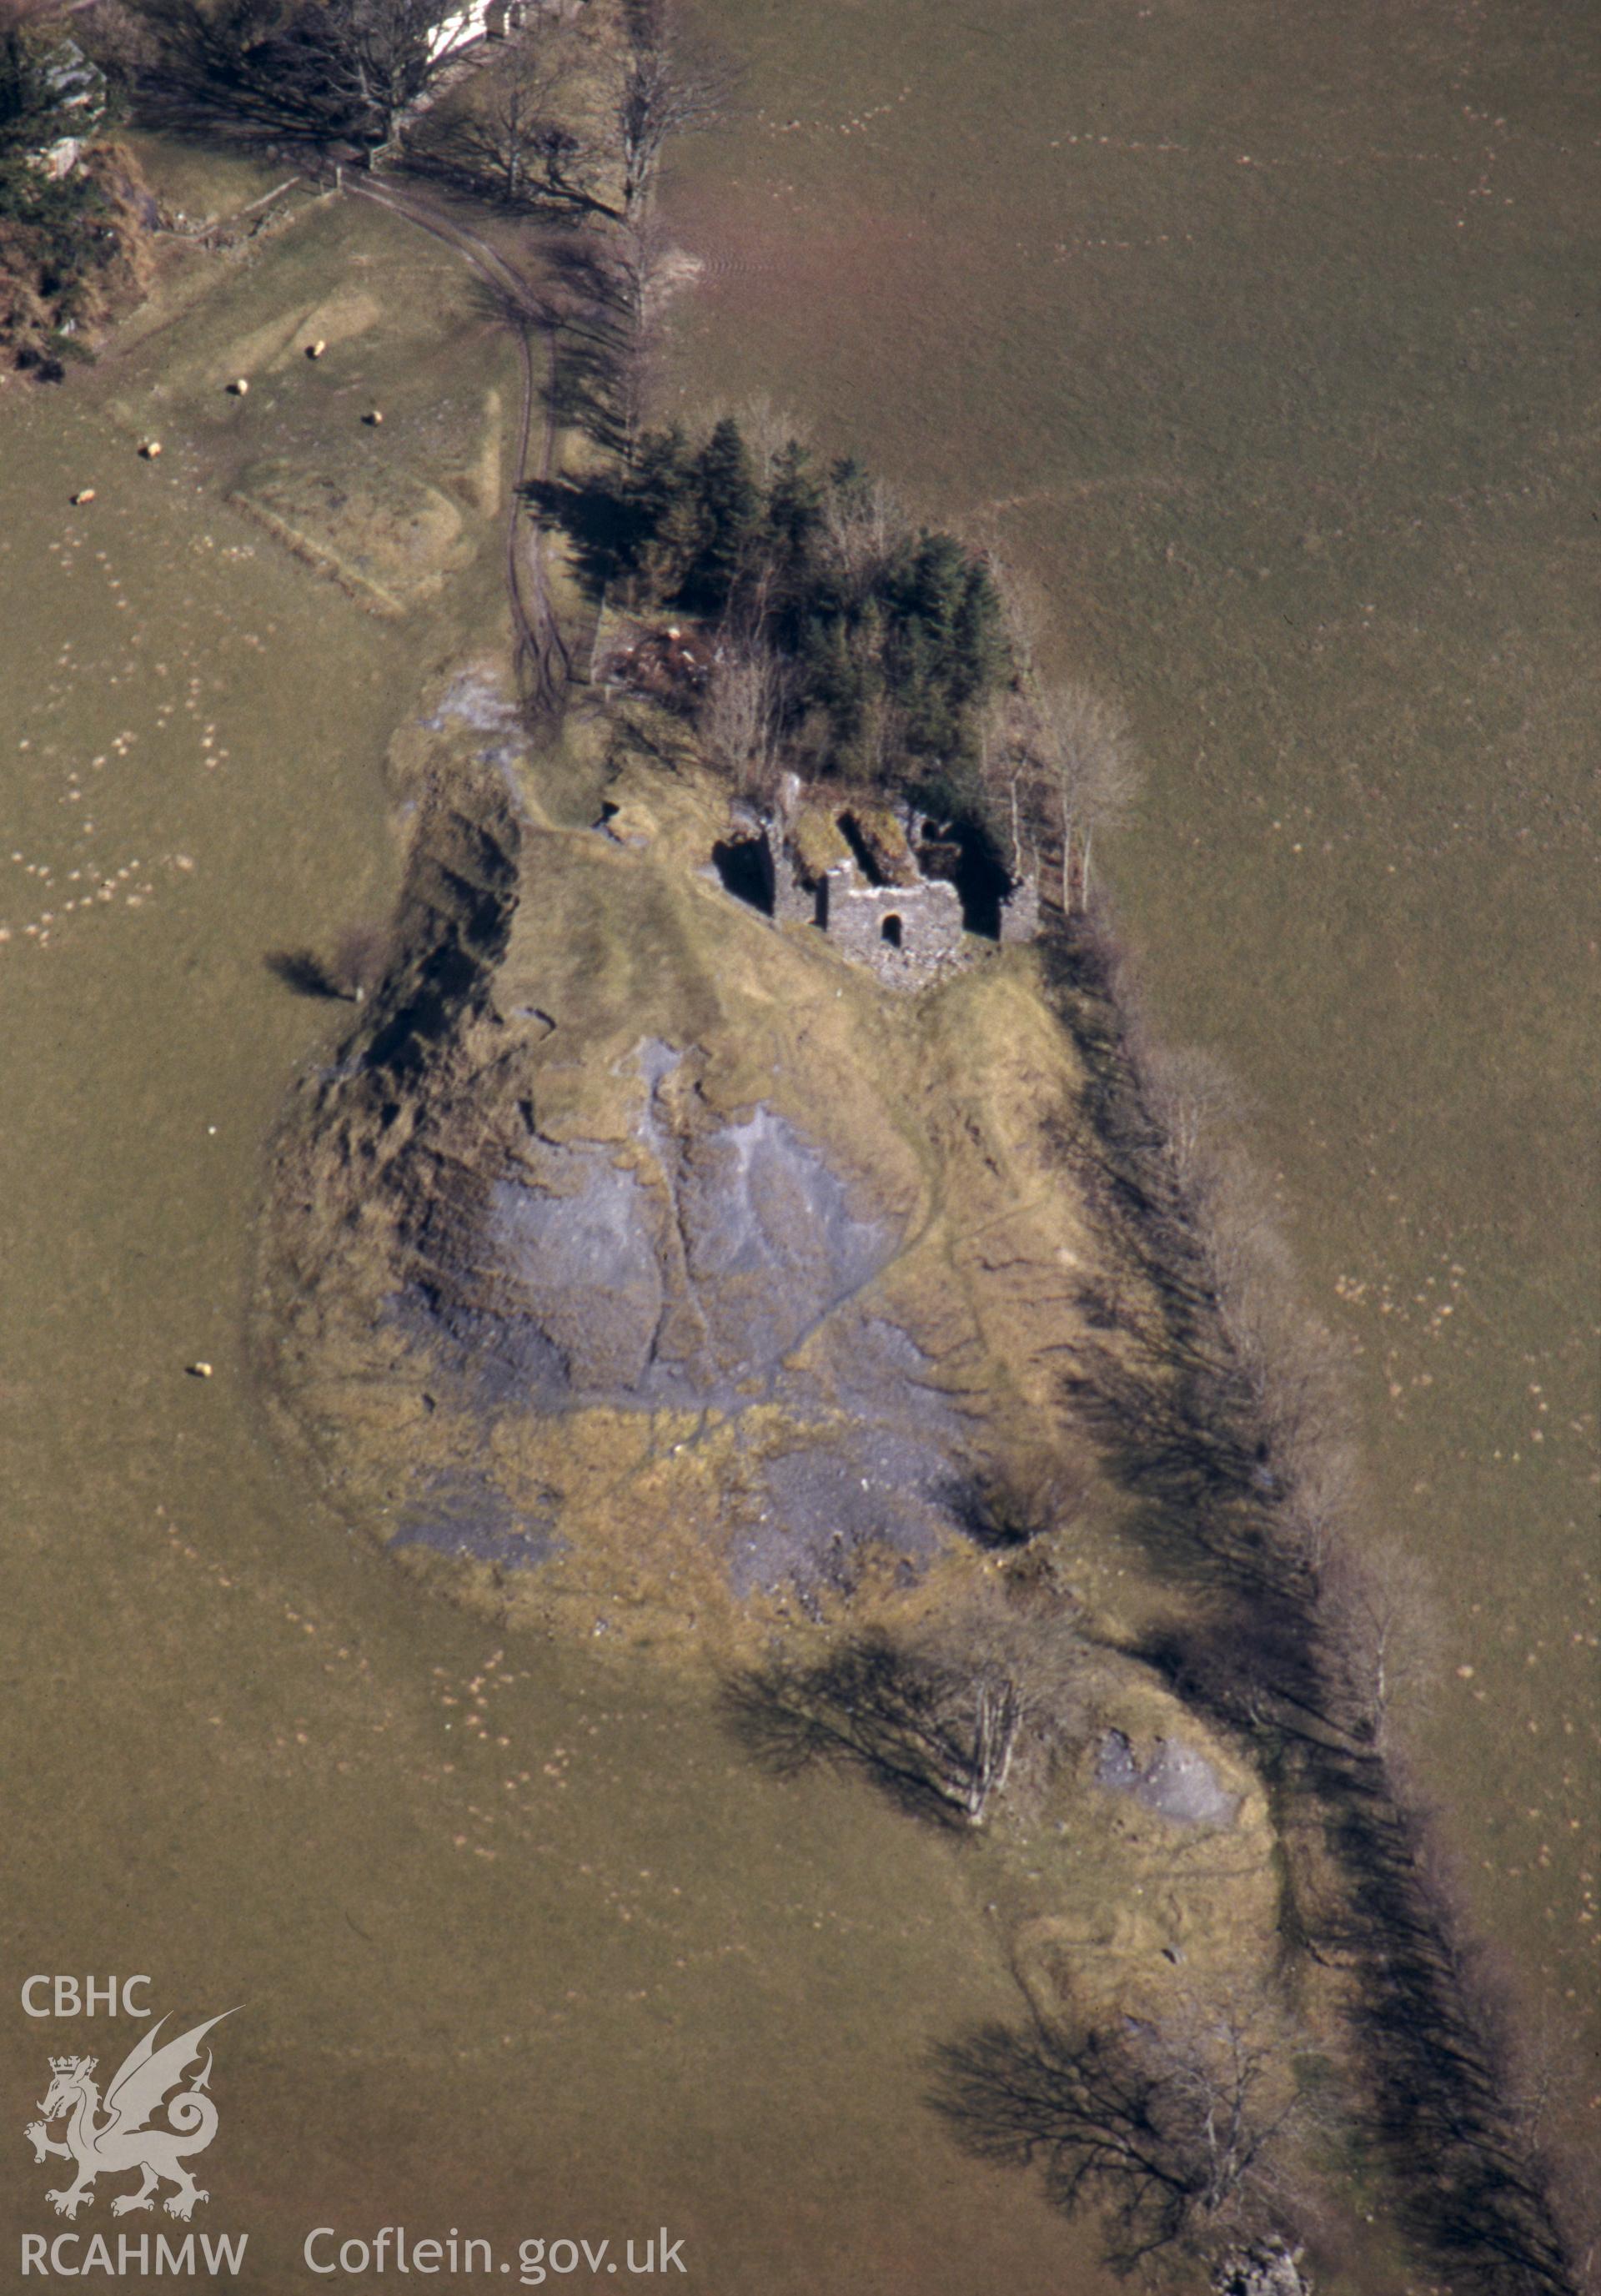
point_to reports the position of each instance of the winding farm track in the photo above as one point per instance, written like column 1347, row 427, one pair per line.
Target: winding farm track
column 542, row 651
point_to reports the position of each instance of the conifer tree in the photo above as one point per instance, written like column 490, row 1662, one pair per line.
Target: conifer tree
column 978, row 644
column 931, row 592
column 663, row 522
column 889, row 643
column 849, row 482
column 833, row 675
column 731, row 507
column 667, row 561
column 661, row 474
column 794, row 506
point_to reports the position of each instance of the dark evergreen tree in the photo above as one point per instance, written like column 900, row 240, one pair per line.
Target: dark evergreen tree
column 849, row 482
column 666, row 560
column 730, row 510
column 978, row 640
column 929, row 591
column 794, row 509
column 920, row 690
column 892, row 645
column 30, row 114
column 662, row 474
column 832, row 676
column 661, row 523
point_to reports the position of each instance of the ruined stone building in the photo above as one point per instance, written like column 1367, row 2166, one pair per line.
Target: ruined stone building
column 892, row 891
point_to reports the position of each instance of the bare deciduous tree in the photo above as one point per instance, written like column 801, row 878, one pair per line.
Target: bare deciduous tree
column 514, row 136
column 742, row 717
column 323, row 68
column 1057, row 760
column 301, row 970
column 614, row 288
column 667, row 88
column 860, row 527
column 940, row 1721
column 114, row 35
column 1320, row 1503
column 375, row 57
column 943, row 1748
column 1001, row 1512
column 767, row 430
column 640, row 265
column 1087, row 761
column 1184, row 2133
column 1381, row 1624
column 1193, row 1099
column 361, row 955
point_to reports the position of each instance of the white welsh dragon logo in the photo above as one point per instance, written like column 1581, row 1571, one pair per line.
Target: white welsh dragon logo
column 123, row 2140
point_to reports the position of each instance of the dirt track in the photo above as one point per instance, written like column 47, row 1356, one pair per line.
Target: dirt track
column 542, row 649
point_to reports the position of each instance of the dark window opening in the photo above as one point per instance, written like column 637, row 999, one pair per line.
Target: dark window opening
column 745, row 865
column 851, row 831
column 890, row 930
column 964, row 854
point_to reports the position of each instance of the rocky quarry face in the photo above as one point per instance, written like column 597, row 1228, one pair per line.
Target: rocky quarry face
column 721, row 1273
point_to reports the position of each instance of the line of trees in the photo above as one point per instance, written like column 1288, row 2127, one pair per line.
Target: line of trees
column 1220, row 1411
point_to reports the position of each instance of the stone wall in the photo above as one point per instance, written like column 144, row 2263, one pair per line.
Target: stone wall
column 794, row 902
column 907, row 934
column 1020, row 913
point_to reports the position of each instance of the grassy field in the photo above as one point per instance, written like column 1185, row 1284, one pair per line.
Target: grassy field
column 523, row 1945
column 1256, row 343
column 1252, row 343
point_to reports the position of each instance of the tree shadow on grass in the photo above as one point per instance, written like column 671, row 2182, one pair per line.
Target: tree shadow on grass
column 599, row 527
column 303, row 972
